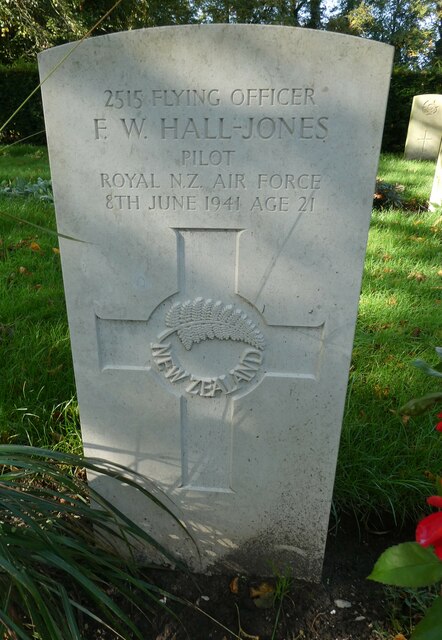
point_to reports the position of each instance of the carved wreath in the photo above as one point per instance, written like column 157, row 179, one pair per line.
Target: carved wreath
column 203, row 319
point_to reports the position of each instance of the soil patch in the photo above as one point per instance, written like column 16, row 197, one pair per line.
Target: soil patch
column 345, row 606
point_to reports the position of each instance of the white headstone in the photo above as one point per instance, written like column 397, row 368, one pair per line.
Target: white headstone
column 425, row 128
column 217, row 182
column 436, row 191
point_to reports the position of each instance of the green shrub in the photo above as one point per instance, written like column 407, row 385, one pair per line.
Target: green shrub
column 404, row 86
column 16, row 83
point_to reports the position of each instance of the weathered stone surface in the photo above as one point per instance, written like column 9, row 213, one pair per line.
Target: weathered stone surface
column 436, row 191
column 425, row 128
column 217, row 182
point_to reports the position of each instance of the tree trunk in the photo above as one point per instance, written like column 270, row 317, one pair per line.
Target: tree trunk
column 314, row 21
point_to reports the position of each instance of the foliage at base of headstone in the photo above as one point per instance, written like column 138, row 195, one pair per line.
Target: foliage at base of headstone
column 65, row 565
column 419, row 564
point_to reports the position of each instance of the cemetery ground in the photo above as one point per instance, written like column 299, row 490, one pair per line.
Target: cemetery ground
column 387, row 462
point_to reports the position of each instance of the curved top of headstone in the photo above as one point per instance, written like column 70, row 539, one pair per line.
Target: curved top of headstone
column 279, row 31
column 426, row 96
column 79, row 76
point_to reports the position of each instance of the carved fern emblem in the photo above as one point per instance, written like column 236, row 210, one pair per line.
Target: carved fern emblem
column 200, row 319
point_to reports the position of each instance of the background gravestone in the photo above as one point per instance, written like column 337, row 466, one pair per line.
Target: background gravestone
column 425, row 128
column 436, row 191
column 217, row 182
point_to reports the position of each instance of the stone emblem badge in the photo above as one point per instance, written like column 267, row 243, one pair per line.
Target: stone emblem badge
column 194, row 321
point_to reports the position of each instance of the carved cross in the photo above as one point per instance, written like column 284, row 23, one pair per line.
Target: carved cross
column 209, row 346
column 424, row 140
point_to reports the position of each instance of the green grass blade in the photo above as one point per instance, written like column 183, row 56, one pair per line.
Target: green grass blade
column 41, row 228
column 93, row 616
column 11, row 625
column 28, row 587
column 70, row 618
column 101, row 598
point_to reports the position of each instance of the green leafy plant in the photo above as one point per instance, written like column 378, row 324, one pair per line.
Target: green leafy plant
column 65, row 564
column 419, row 564
column 42, row 189
column 417, row 406
column 388, row 195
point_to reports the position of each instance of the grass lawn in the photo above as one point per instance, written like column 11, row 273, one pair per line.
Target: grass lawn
column 37, row 389
column 385, row 459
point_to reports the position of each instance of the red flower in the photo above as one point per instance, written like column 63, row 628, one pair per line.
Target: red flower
column 439, row 426
column 429, row 530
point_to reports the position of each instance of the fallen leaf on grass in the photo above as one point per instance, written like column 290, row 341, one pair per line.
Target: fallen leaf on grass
column 37, row 287
column 20, row 244
column 381, row 392
column 415, row 275
column 24, row 271
column 439, row 273
column 405, row 419
column 34, row 246
column 392, row 301
column 56, row 250
column 399, row 636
